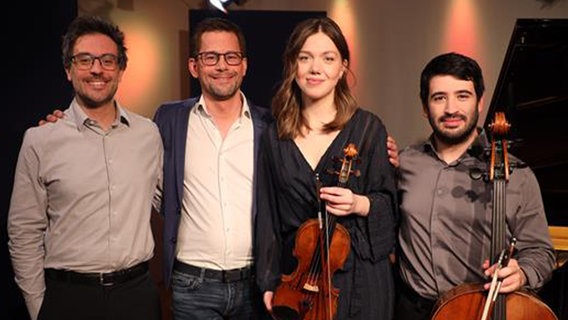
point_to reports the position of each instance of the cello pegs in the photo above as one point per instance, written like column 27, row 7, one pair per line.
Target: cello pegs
column 476, row 173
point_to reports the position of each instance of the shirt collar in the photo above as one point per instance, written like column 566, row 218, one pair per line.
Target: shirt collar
column 202, row 108
column 79, row 117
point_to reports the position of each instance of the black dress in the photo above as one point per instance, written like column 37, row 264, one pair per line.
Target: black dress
column 286, row 198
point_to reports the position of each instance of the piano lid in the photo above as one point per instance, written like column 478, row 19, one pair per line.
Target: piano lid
column 532, row 90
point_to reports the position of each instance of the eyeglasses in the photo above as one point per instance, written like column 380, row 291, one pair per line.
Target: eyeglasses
column 84, row 61
column 211, row 58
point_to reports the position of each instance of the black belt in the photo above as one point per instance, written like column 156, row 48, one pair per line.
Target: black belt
column 220, row 275
column 414, row 297
column 103, row 279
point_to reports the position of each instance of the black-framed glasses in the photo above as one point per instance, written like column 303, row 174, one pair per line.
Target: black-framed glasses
column 211, row 58
column 84, row 61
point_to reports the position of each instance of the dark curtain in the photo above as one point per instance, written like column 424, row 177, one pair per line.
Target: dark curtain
column 34, row 85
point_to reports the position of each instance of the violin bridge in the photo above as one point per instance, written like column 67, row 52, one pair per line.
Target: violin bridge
column 311, row 287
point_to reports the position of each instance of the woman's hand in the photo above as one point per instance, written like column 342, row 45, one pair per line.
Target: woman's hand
column 343, row 202
column 267, row 299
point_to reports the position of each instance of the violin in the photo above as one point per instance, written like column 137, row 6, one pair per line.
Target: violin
column 322, row 246
column 472, row 301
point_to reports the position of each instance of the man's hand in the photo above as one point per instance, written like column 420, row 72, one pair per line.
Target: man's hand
column 56, row 115
column 392, row 150
column 512, row 276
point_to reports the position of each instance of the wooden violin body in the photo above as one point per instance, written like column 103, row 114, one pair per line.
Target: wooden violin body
column 321, row 248
column 304, row 294
column 466, row 302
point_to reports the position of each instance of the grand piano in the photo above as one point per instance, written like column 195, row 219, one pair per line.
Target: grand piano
column 532, row 91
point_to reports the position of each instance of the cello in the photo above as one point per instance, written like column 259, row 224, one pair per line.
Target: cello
column 321, row 247
column 472, row 301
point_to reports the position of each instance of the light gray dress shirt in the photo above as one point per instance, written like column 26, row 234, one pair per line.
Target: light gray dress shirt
column 82, row 198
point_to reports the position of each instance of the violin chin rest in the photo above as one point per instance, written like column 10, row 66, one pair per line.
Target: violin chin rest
column 284, row 313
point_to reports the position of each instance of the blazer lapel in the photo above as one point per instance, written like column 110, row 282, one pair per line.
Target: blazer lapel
column 180, row 139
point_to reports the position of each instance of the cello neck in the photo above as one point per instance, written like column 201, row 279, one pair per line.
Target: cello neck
column 499, row 174
column 498, row 240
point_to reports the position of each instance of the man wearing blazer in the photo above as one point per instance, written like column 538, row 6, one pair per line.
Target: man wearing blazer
column 207, row 200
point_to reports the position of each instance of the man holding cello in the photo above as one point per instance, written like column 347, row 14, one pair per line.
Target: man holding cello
column 447, row 205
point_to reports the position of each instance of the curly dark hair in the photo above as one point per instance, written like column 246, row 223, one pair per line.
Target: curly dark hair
column 87, row 24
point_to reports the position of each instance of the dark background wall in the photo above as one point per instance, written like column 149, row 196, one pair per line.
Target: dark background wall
column 34, row 85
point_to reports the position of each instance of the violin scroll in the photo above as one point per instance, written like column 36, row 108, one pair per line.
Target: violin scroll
column 350, row 153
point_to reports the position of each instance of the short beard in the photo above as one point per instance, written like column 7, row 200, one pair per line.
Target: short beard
column 94, row 104
column 459, row 137
column 224, row 95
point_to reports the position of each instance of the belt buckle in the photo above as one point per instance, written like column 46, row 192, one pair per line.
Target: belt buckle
column 235, row 274
column 103, row 281
column 231, row 275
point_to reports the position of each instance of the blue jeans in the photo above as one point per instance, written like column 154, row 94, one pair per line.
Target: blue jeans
column 197, row 297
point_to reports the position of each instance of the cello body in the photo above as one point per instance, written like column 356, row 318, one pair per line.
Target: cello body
column 466, row 302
